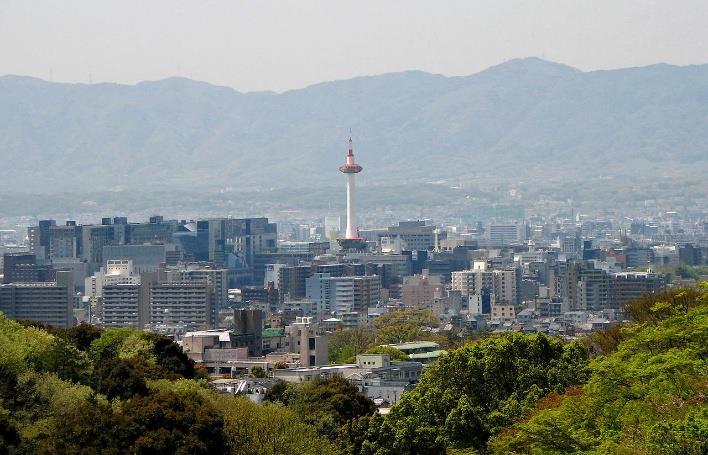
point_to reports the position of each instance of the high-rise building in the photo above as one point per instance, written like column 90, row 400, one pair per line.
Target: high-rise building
column 502, row 283
column 291, row 281
column 117, row 271
column 23, row 268
column 243, row 237
column 49, row 303
column 145, row 258
column 420, row 291
column 182, row 304
column 586, row 288
column 504, row 234
column 216, row 277
column 626, row 286
column 39, row 238
column 64, row 241
column 122, row 306
column 343, row 294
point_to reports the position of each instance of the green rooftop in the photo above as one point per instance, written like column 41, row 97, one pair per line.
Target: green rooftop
column 272, row 332
column 413, row 346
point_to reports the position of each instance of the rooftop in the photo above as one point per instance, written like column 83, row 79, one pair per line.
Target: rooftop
column 273, row 332
column 415, row 345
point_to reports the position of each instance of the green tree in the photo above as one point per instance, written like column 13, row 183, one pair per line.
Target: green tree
column 473, row 392
column 278, row 393
column 327, row 404
column 258, row 372
column 122, row 378
column 9, row 437
column 80, row 336
column 645, row 397
column 66, row 361
column 170, row 423
column 402, row 326
column 268, row 429
column 170, row 357
column 346, row 344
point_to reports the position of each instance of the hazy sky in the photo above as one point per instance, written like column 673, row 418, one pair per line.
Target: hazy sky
column 258, row 44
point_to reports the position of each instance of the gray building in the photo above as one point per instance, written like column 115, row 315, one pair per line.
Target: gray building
column 122, row 306
column 146, row 258
column 49, row 303
column 182, row 304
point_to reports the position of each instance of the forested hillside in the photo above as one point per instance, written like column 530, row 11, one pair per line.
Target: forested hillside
column 123, row 391
column 638, row 389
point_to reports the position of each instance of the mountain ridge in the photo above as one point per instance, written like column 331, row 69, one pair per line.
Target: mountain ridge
column 520, row 119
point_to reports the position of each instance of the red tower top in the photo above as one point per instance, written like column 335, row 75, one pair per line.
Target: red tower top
column 350, row 167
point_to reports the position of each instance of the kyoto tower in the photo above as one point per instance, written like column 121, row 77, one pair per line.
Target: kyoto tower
column 351, row 239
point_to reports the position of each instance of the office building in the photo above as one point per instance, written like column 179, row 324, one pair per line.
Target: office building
column 505, row 234
column 216, row 277
column 502, row 283
column 23, row 268
column 182, row 304
column 343, row 294
column 291, row 281
column 122, row 306
column 420, row 291
column 117, row 271
column 145, row 258
column 49, row 303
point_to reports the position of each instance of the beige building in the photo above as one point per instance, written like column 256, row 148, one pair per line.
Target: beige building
column 305, row 338
column 503, row 312
column 420, row 291
column 501, row 283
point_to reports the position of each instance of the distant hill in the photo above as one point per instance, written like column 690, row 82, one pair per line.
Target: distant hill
column 526, row 118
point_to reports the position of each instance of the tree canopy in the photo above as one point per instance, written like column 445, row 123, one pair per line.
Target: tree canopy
column 646, row 397
column 89, row 391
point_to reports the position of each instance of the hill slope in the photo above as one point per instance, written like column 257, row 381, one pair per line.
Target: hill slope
column 523, row 117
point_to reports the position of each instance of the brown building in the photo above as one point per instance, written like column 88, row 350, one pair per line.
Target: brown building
column 420, row 291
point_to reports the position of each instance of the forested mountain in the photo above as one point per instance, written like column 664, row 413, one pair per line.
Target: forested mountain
column 525, row 117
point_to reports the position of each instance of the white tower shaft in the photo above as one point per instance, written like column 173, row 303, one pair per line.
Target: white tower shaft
column 351, row 232
column 350, row 168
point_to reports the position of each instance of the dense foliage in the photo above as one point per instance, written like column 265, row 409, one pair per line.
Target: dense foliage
column 471, row 393
column 637, row 389
column 325, row 404
column 647, row 397
column 114, row 391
